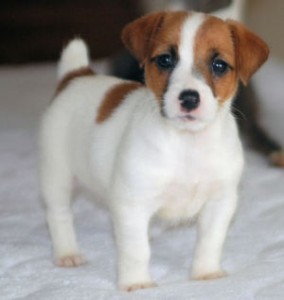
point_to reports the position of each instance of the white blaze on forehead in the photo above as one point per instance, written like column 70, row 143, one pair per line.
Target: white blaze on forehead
column 187, row 40
column 183, row 77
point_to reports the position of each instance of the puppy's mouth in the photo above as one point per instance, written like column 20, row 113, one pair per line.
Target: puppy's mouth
column 187, row 118
column 181, row 118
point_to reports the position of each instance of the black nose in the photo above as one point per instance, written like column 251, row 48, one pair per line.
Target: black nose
column 189, row 99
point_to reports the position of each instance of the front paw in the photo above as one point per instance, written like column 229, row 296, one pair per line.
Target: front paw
column 210, row 275
column 136, row 286
column 69, row 261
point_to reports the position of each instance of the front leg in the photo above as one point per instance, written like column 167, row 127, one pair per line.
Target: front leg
column 213, row 224
column 131, row 230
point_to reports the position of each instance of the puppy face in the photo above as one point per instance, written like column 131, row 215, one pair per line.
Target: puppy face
column 193, row 63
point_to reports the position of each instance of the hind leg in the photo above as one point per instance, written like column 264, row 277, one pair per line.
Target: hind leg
column 57, row 185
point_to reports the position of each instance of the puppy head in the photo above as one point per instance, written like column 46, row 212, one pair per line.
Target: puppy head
column 193, row 62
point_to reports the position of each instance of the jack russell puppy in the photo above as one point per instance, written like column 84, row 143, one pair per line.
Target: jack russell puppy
column 169, row 148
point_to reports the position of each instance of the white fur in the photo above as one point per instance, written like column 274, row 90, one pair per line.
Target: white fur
column 73, row 57
column 142, row 165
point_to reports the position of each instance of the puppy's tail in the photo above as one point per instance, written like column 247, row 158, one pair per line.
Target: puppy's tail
column 74, row 56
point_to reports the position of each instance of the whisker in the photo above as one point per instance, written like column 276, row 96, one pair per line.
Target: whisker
column 240, row 115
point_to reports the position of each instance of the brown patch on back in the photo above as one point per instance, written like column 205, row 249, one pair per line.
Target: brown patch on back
column 150, row 36
column 81, row 72
column 214, row 37
column 113, row 99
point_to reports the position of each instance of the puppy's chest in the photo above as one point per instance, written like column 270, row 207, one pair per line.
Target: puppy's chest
column 193, row 179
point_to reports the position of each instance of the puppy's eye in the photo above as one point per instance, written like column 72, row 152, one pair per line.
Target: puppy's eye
column 165, row 61
column 219, row 67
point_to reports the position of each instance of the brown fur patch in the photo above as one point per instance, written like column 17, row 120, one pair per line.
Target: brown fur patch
column 81, row 72
column 113, row 99
column 150, row 36
column 214, row 38
column 232, row 42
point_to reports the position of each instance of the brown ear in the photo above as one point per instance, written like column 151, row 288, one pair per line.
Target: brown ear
column 139, row 35
column 251, row 50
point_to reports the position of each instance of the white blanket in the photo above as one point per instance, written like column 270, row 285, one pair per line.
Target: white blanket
column 254, row 250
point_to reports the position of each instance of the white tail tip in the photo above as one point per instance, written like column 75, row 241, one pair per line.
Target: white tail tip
column 74, row 56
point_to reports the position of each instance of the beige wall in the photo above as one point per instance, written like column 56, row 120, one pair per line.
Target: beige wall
column 267, row 19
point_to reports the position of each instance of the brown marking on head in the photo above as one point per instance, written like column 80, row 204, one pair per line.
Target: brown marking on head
column 151, row 36
column 64, row 82
column 114, row 97
column 213, row 41
column 233, row 43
